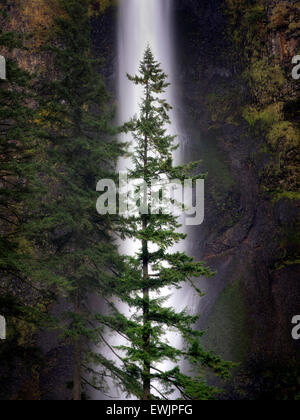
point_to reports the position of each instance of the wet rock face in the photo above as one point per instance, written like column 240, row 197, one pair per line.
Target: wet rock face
column 104, row 39
column 245, row 236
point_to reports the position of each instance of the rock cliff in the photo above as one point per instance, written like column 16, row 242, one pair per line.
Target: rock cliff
column 237, row 94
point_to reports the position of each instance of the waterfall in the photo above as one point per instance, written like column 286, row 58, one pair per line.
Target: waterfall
column 142, row 23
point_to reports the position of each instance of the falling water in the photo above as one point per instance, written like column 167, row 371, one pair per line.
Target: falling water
column 142, row 23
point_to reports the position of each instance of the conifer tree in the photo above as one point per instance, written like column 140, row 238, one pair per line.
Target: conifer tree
column 24, row 294
column 81, row 148
column 16, row 141
column 155, row 267
column 19, row 150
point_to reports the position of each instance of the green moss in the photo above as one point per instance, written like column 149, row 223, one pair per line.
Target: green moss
column 289, row 245
column 284, row 130
column 285, row 263
column 285, row 16
column 280, row 177
column 280, row 16
column 294, row 29
column 270, row 106
column 228, row 332
column 256, row 14
column 265, row 117
column 265, row 78
column 224, row 104
column 291, row 195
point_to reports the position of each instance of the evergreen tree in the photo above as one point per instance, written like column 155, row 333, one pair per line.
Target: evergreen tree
column 19, row 151
column 74, row 241
column 155, row 267
column 16, row 142
column 24, row 296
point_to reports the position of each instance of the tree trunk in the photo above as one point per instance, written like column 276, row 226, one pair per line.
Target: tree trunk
column 146, row 334
column 146, row 292
column 77, row 373
column 77, row 359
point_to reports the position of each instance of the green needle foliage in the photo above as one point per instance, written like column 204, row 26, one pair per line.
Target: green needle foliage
column 155, row 268
column 16, row 143
column 80, row 260
column 19, row 151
